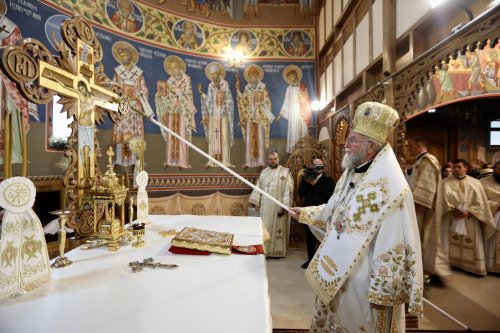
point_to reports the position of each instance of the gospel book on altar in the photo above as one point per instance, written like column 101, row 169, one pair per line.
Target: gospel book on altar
column 204, row 240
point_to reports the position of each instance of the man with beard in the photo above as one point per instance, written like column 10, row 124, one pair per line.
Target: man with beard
column 277, row 181
column 369, row 262
column 491, row 185
column 464, row 207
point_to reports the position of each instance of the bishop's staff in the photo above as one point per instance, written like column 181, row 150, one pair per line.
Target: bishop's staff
column 150, row 117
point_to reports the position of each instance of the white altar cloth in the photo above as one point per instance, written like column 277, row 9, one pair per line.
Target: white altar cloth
column 99, row 293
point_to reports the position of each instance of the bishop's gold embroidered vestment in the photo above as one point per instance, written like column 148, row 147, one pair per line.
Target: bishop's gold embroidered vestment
column 365, row 272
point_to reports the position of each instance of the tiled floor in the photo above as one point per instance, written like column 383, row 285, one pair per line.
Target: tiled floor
column 475, row 301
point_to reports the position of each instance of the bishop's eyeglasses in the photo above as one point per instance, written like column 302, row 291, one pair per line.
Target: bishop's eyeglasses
column 352, row 139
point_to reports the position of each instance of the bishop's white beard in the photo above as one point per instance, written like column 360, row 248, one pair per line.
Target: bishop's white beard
column 352, row 161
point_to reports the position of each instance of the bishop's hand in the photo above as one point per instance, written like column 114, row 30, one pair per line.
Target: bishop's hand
column 295, row 212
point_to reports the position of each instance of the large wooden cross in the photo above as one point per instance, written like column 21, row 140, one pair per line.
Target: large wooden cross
column 85, row 93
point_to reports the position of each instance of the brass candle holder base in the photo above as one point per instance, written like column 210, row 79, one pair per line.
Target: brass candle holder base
column 61, row 260
column 138, row 230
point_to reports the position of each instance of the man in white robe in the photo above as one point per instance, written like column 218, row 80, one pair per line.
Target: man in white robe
column 491, row 185
column 424, row 179
column 465, row 209
column 369, row 262
column 277, row 181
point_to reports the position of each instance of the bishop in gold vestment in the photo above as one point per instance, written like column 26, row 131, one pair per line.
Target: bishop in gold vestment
column 369, row 262
column 465, row 208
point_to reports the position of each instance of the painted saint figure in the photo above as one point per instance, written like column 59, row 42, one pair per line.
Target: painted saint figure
column 471, row 60
column 12, row 104
column 174, row 104
column 217, row 107
column 188, row 39
column 296, row 107
column 254, row 107
column 131, row 79
column 491, row 69
column 244, row 43
column 124, row 18
column 297, row 48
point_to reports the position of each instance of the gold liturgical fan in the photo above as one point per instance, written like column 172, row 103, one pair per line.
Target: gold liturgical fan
column 109, row 197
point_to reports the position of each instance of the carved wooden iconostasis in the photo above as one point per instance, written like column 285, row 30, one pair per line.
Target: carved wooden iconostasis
column 159, row 60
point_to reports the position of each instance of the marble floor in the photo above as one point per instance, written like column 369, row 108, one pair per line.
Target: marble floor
column 473, row 300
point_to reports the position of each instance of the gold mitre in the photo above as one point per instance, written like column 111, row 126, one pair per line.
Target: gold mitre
column 375, row 120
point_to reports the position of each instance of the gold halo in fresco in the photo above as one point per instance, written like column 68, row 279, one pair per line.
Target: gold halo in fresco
column 292, row 68
column 176, row 59
column 253, row 69
column 122, row 45
column 212, row 67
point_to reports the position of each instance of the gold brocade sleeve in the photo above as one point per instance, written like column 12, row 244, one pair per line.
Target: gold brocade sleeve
column 311, row 216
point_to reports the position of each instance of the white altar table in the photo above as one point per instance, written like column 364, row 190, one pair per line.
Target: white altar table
column 99, row 293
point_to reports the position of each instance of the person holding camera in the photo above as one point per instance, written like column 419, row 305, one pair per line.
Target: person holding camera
column 315, row 188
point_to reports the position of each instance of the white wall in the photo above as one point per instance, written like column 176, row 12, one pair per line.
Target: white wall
column 408, row 12
column 362, row 44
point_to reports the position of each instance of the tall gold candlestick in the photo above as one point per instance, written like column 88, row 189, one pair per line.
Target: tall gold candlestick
column 61, row 260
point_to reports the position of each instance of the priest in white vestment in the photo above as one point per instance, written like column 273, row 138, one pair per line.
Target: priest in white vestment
column 277, row 181
column 465, row 208
column 424, row 179
column 491, row 185
column 369, row 263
